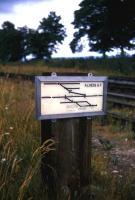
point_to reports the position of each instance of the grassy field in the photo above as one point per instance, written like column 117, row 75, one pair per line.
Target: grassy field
column 20, row 151
column 108, row 66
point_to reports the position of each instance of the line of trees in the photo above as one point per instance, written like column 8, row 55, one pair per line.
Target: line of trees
column 107, row 24
column 16, row 44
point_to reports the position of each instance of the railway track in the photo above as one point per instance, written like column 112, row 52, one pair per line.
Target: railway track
column 121, row 96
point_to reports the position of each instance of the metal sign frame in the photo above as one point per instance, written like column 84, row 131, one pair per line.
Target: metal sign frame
column 62, row 79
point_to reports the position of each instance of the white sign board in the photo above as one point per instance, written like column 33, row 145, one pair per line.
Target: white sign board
column 74, row 96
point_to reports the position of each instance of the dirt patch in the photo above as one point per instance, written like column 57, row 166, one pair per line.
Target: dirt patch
column 125, row 158
column 120, row 153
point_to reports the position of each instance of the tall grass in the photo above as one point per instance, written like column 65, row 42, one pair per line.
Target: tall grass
column 20, row 150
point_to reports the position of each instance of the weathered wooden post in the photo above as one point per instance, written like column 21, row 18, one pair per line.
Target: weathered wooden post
column 65, row 105
column 48, row 161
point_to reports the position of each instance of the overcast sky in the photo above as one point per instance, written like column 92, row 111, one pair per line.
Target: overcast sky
column 31, row 12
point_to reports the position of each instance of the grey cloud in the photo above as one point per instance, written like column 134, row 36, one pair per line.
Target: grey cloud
column 6, row 6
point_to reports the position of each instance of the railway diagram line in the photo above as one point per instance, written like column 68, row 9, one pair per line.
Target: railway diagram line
column 73, row 95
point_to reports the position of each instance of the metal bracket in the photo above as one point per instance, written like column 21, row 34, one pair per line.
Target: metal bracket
column 53, row 74
column 90, row 74
column 54, row 120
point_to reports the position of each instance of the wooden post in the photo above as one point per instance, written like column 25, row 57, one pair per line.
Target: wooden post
column 85, row 134
column 66, row 163
column 48, row 161
column 66, row 172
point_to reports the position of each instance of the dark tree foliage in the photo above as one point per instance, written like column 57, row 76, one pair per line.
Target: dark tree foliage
column 121, row 22
column 35, row 44
column 24, row 31
column 11, row 47
column 107, row 24
column 43, row 42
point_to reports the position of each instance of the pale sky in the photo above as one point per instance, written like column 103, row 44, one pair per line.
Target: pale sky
column 31, row 12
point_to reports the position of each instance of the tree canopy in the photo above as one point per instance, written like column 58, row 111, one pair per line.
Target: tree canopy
column 107, row 24
column 44, row 41
column 16, row 44
column 11, row 48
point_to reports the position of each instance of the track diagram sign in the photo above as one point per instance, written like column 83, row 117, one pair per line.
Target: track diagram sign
column 74, row 96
